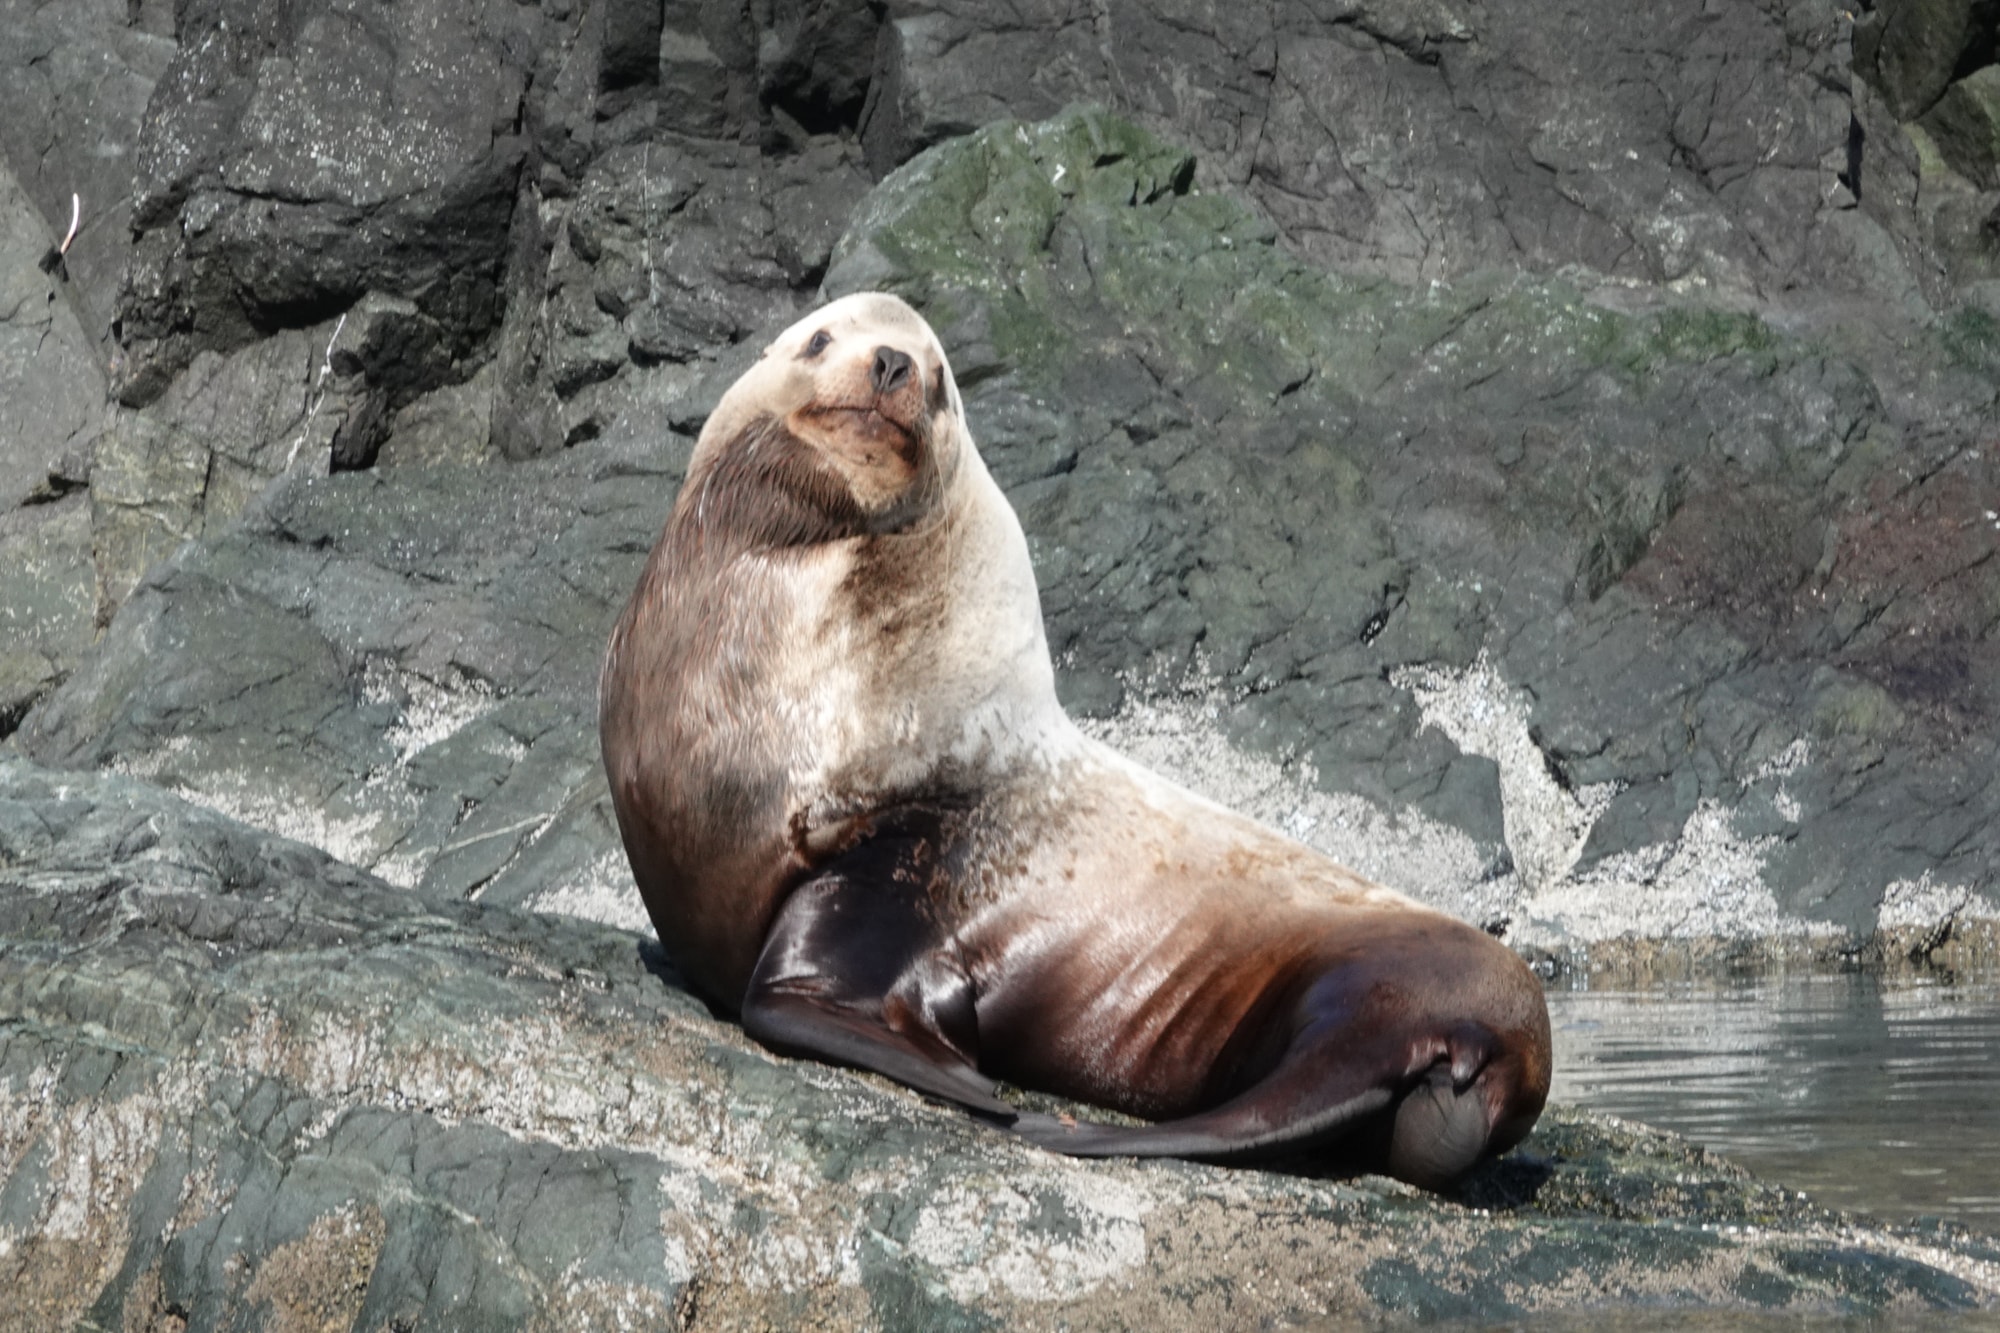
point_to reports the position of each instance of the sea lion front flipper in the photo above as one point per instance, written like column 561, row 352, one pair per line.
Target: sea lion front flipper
column 1243, row 1126
column 851, row 973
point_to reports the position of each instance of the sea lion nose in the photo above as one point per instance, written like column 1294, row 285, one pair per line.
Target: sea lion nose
column 892, row 369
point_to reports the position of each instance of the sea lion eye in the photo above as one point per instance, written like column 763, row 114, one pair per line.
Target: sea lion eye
column 820, row 342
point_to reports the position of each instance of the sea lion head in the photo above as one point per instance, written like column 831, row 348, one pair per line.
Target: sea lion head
column 851, row 415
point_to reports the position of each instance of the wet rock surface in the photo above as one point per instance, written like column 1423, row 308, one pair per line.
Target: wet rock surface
column 1540, row 454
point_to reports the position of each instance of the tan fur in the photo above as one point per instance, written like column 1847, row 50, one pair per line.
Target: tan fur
column 877, row 670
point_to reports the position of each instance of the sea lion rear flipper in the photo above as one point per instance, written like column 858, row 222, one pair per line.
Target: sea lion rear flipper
column 1329, row 1092
column 851, row 973
column 1252, row 1124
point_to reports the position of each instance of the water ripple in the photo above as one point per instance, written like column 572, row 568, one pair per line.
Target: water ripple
column 1881, row 1096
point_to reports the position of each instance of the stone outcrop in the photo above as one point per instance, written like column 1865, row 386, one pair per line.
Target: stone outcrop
column 245, row 1085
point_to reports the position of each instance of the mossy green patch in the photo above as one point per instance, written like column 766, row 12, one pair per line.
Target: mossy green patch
column 1971, row 338
column 1705, row 335
column 1086, row 228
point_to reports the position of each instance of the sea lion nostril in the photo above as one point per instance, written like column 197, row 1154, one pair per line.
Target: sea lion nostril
column 892, row 368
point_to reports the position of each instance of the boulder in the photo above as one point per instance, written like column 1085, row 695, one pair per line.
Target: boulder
column 398, row 666
column 1965, row 126
column 1912, row 50
column 1423, row 139
column 294, row 160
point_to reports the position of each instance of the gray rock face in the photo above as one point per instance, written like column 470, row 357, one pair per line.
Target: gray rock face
column 1427, row 140
column 51, row 405
column 1676, row 551
column 294, row 160
column 243, row 1085
column 75, row 81
column 671, row 253
column 413, row 664
column 1965, row 124
column 48, row 601
column 1912, row 50
column 51, row 389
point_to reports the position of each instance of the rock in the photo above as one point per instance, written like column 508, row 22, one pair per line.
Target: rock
column 74, row 88
column 1965, row 125
column 708, row 68
column 412, row 659
column 51, row 405
column 288, row 168
column 47, row 600
column 243, row 1083
column 817, row 62
column 204, row 450
column 452, row 425
column 673, row 253
column 1429, row 140
column 1912, row 49
column 51, row 386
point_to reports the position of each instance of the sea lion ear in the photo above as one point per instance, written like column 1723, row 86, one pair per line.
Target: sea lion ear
column 941, row 394
column 947, row 382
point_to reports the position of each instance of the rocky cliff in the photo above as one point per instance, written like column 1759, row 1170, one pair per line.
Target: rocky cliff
column 1544, row 454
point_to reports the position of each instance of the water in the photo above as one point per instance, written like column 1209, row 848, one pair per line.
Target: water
column 1871, row 1094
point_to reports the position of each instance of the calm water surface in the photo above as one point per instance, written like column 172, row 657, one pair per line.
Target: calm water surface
column 1879, row 1095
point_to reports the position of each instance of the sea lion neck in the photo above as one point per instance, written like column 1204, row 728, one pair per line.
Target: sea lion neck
column 763, row 490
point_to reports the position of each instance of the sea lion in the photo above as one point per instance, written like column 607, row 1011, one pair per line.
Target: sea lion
column 861, row 821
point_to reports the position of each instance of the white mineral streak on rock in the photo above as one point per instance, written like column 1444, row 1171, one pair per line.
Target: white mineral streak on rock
column 1925, row 905
column 428, row 711
column 594, row 1303
column 95, row 1153
column 1178, row 735
column 603, row 891
column 1545, row 825
column 364, row 825
column 1782, row 765
column 1706, row 882
column 992, row 1231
